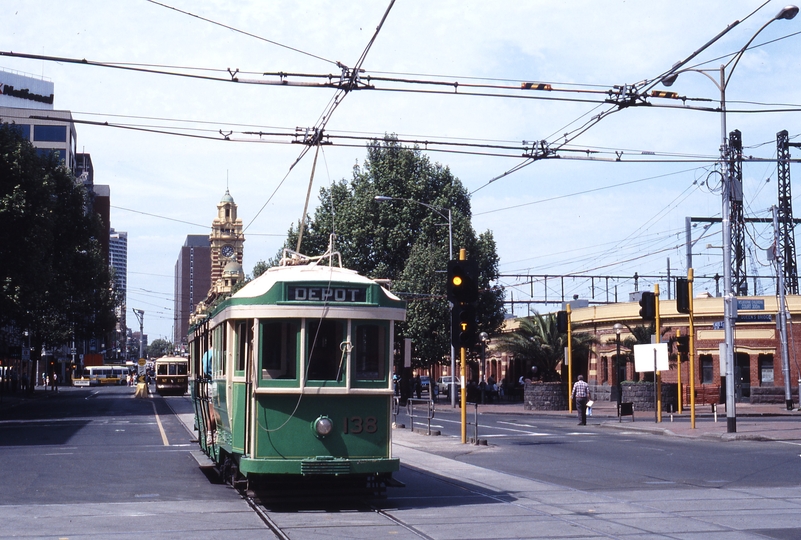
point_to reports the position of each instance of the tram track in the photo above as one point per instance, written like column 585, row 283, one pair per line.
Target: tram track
column 322, row 518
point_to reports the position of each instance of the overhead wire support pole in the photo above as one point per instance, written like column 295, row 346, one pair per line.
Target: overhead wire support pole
column 729, row 306
column 781, row 313
column 786, row 240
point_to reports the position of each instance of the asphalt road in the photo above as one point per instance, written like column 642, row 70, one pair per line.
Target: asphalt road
column 557, row 450
column 50, row 447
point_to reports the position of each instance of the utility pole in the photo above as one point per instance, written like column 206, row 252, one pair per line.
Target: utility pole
column 782, row 312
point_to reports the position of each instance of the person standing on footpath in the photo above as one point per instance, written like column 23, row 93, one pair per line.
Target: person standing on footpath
column 581, row 393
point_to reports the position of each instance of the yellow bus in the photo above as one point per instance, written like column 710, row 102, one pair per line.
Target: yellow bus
column 103, row 376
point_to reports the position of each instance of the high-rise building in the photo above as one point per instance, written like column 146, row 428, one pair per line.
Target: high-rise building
column 118, row 261
column 27, row 102
column 192, row 282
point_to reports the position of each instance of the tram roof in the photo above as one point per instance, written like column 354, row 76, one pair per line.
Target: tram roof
column 274, row 278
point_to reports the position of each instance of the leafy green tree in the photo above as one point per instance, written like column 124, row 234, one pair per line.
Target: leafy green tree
column 539, row 344
column 53, row 279
column 158, row 348
column 406, row 240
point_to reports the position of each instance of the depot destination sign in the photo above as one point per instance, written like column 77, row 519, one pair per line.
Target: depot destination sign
column 324, row 293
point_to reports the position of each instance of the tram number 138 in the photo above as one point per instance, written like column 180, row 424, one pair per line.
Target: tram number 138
column 357, row 424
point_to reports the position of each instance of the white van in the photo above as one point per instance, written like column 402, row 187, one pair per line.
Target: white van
column 444, row 383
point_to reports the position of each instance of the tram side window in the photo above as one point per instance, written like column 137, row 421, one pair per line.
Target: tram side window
column 244, row 343
column 369, row 351
column 279, row 350
column 323, row 345
column 219, row 345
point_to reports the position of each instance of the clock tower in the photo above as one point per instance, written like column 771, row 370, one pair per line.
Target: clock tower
column 226, row 237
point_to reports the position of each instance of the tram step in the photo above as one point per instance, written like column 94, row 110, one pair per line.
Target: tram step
column 202, row 459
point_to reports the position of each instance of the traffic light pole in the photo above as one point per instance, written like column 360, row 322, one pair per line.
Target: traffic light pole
column 462, row 369
column 657, row 374
column 569, row 359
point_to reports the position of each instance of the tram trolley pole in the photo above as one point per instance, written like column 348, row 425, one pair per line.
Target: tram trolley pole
column 429, row 414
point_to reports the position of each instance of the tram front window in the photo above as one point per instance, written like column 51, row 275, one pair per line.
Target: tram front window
column 369, row 351
column 324, row 342
column 279, row 350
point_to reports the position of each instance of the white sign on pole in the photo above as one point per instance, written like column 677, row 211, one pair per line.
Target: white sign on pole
column 644, row 357
column 722, row 357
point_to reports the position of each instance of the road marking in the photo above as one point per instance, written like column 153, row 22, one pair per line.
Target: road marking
column 788, row 442
column 517, row 424
column 526, row 434
column 161, row 428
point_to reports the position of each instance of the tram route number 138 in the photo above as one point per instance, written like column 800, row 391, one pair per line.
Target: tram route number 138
column 357, row 424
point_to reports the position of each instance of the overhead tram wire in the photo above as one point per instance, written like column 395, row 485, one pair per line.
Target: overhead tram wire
column 317, row 132
column 584, row 192
column 227, row 27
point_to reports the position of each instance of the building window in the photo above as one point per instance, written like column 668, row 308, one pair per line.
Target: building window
column 50, row 133
column 59, row 153
column 604, row 368
column 707, row 372
column 22, row 129
column 766, row 369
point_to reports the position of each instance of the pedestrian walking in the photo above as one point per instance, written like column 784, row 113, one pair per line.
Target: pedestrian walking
column 581, row 393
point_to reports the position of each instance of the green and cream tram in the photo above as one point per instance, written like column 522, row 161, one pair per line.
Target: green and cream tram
column 172, row 375
column 292, row 375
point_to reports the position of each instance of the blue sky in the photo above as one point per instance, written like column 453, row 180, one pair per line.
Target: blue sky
column 557, row 216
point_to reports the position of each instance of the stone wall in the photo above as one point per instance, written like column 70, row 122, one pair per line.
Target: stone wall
column 771, row 394
column 641, row 394
column 540, row 396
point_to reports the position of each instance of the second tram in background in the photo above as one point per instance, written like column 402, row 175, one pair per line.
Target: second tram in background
column 292, row 379
column 172, row 375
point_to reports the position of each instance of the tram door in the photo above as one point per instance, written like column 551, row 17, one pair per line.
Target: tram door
column 243, row 347
column 742, row 377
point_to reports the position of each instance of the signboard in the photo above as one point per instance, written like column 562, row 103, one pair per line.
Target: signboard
column 644, row 357
column 142, row 362
column 322, row 293
column 750, row 305
column 761, row 317
column 17, row 90
column 754, row 318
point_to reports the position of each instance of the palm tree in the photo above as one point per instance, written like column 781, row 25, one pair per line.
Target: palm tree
column 539, row 344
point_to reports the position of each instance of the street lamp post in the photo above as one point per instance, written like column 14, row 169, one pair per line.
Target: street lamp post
column 786, row 13
column 438, row 210
column 618, row 329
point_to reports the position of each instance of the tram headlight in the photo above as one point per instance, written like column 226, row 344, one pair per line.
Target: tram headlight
column 322, row 426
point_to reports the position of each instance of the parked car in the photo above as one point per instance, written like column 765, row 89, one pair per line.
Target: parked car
column 444, row 383
column 425, row 383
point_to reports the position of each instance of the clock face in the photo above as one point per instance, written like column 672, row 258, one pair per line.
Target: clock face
column 227, row 250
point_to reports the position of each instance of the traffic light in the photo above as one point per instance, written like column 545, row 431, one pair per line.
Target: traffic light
column 683, row 344
column 561, row 322
column 462, row 281
column 682, row 295
column 648, row 306
column 464, row 328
